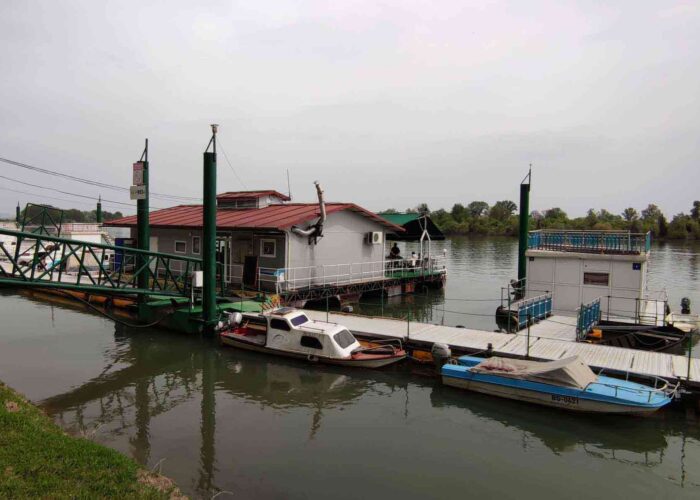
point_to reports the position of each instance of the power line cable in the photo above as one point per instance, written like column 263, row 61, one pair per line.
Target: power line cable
column 69, row 193
column 90, row 182
column 47, row 196
column 218, row 143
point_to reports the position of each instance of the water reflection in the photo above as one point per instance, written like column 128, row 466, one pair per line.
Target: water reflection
column 634, row 441
column 155, row 372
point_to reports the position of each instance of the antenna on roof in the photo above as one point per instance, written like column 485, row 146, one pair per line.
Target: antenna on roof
column 289, row 188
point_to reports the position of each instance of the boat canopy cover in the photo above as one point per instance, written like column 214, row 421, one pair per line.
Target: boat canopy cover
column 568, row 372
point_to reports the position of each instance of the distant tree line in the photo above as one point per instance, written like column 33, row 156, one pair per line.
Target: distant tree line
column 73, row 215
column 478, row 217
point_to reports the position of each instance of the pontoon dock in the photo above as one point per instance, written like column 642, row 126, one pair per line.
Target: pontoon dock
column 550, row 339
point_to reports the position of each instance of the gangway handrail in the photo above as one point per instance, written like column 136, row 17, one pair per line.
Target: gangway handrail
column 166, row 274
column 35, row 236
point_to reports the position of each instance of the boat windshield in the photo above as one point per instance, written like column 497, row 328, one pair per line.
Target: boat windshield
column 344, row 339
column 299, row 320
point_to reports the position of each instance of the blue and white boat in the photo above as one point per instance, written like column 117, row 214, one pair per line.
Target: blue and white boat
column 567, row 383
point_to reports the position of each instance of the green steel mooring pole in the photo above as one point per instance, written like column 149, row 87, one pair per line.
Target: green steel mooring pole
column 524, row 223
column 209, row 244
column 98, row 212
column 143, row 231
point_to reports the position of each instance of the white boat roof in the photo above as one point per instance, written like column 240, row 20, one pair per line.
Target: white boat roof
column 318, row 327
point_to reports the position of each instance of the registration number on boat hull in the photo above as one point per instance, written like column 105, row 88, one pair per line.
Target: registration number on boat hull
column 570, row 400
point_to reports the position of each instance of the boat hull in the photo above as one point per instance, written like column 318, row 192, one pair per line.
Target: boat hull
column 570, row 403
column 367, row 362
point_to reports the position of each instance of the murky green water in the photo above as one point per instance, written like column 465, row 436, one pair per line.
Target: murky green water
column 218, row 419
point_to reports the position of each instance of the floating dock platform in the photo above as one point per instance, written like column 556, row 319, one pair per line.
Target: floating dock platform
column 550, row 339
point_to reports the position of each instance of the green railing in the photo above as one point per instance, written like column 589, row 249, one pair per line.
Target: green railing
column 614, row 242
column 53, row 262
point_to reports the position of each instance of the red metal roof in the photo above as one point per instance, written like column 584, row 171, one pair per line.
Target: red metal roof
column 234, row 195
column 270, row 217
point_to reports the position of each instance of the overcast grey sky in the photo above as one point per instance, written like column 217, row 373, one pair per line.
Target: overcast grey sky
column 387, row 103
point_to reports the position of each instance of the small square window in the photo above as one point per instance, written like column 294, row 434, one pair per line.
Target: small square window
column 196, row 242
column 268, row 248
column 180, row 247
column 599, row 279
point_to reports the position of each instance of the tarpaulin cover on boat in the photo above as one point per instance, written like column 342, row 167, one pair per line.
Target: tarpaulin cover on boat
column 569, row 372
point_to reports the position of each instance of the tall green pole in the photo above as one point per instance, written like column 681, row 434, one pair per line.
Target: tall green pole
column 524, row 225
column 209, row 225
column 17, row 214
column 143, row 236
column 98, row 212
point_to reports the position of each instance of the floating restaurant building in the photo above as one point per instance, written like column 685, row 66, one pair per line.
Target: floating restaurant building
column 301, row 251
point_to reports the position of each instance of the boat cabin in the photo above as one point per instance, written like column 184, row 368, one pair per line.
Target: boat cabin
column 290, row 330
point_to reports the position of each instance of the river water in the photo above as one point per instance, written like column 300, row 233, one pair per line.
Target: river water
column 222, row 420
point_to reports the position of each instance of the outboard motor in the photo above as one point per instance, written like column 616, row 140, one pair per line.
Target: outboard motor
column 235, row 318
column 441, row 354
column 685, row 305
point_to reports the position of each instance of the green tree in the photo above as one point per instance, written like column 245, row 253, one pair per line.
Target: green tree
column 423, row 209
column 477, row 208
column 663, row 226
column 502, row 210
column 695, row 211
column 651, row 213
column 630, row 214
column 458, row 212
column 390, row 211
column 591, row 218
column 555, row 213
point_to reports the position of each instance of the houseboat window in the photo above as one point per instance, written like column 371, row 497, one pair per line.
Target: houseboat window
column 311, row 342
column 600, row 279
column 299, row 320
column 268, row 248
column 344, row 339
column 180, row 247
column 196, row 244
column 279, row 324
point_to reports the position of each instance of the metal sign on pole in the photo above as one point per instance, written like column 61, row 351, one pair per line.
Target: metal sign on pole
column 138, row 192
column 138, row 174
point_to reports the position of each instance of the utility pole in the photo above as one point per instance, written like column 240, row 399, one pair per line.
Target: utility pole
column 209, row 309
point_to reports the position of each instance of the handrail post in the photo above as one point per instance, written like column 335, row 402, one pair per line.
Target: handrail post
column 382, row 298
column 690, row 357
column 408, row 324
column 527, row 351
column 326, row 308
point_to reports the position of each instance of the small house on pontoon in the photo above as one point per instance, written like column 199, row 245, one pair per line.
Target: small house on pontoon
column 297, row 250
column 580, row 267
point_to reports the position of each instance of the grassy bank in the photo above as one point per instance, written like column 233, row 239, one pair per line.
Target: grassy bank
column 37, row 459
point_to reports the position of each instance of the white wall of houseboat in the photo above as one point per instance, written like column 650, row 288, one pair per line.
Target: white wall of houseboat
column 563, row 274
